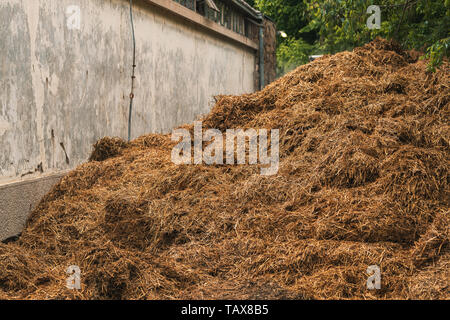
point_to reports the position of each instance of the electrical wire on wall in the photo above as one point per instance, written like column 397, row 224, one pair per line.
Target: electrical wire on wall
column 133, row 71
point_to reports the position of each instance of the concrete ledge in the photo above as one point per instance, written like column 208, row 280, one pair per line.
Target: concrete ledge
column 17, row 199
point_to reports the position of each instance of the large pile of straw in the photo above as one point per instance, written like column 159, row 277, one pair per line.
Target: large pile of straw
column 363, row 180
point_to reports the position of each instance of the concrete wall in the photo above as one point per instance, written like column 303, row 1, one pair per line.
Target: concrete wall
column 62, row 89
column 18, row 199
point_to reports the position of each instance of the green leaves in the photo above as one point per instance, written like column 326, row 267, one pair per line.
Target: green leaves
column 292, row 53
column 330, row 26
column 436, row 52
column 289, row 15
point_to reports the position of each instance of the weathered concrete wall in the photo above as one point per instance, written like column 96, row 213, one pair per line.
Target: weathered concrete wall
column 72, row 86
column 63, row 89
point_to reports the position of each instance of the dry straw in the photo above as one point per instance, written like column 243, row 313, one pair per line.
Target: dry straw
column 363, row 180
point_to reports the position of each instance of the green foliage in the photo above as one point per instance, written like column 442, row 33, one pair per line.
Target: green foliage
column 329, row 26
column 436, row 52
column 289, row 16
column 292, row 53
column 341, row 24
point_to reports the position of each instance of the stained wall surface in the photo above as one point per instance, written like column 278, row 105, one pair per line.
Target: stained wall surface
column 63, row 87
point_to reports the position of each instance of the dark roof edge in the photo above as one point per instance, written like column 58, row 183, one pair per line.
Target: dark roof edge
column 269, row 18
column 249, row 9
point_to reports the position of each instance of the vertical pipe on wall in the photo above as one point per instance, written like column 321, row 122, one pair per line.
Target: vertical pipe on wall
column 133, row 72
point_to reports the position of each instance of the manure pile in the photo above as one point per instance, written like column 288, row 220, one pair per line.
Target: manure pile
column 363, row 180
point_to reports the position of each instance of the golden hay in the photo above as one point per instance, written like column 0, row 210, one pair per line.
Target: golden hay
column 363, row 180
